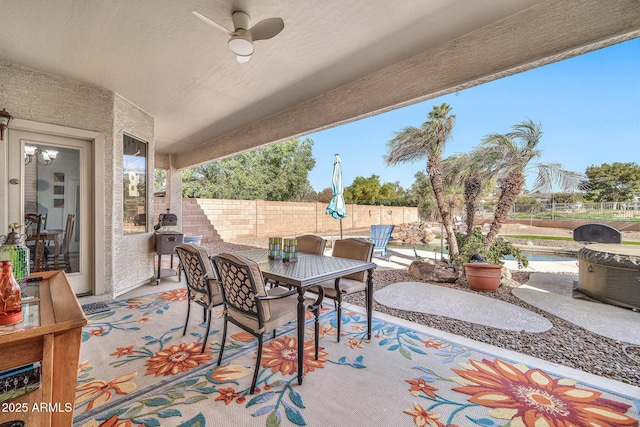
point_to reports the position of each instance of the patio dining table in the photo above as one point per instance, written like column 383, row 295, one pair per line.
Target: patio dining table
column 307, row 272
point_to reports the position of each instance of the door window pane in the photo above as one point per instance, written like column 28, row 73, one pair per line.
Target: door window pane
column 52, row 190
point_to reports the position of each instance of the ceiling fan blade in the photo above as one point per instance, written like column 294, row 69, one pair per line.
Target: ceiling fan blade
column 266, row 29
column 212, row 23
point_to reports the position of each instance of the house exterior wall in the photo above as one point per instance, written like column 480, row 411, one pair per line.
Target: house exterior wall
column 133, row 253
column 52, row 100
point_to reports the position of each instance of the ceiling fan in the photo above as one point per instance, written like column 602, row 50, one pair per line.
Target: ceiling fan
column 243, row 35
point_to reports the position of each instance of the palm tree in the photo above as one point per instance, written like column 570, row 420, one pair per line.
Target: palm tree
column 510, row 156
column 471, row 172
column 412, row 144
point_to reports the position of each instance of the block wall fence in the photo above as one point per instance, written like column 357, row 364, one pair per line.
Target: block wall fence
column 217, row 219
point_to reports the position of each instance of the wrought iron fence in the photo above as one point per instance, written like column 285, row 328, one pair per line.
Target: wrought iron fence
column 610, row 211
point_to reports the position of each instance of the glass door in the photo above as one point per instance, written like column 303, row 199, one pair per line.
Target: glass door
column 55, row 187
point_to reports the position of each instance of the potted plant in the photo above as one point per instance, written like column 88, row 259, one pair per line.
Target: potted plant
column 482, row 265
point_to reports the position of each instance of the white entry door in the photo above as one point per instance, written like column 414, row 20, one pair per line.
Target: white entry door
column 58, row 189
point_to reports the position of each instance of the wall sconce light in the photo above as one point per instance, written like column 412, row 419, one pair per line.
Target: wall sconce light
column 5, row 118
column 31, row 152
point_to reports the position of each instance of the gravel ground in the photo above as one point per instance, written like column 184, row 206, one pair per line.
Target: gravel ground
column 565, row 343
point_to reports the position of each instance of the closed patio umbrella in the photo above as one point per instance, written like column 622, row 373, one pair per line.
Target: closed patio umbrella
column 337, row 208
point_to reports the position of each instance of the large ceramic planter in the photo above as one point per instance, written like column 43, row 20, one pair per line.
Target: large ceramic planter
column 482, row 276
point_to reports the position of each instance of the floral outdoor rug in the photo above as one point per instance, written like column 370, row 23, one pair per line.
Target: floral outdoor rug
column 137, row 369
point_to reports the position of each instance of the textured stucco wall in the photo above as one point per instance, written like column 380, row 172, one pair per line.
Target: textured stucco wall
column 44, row 98
column 133, row 253
column 40, row 97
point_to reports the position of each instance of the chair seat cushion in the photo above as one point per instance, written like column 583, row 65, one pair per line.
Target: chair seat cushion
column 282, row 310
column 347, row 286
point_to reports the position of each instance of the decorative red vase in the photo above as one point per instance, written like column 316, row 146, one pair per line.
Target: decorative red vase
column 482, row 276
column 10, row 303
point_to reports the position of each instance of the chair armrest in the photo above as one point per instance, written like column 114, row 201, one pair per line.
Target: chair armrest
column 272, row 297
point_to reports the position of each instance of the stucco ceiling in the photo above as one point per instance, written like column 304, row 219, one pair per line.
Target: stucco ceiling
column 206, row 105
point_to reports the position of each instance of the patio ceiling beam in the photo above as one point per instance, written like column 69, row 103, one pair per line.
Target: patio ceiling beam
column 547, row 32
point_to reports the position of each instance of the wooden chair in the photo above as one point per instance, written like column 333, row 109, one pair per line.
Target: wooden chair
column 64, row 259
column 311, row 244
column 35, row 242
column 203, row 286
column 248, row 305
column 357, row 249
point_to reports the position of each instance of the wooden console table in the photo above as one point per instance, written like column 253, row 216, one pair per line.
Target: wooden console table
column 50, row 333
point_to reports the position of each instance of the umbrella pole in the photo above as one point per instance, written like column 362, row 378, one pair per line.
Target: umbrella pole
column 340, row 228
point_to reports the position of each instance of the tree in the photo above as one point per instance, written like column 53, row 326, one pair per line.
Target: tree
column 159, row 179
column 325, row 195
column 468, row 173
column 371, row 190
column 509, row 157
column 363, row 189
column 412, row 144
column 276, row 172
column 617, row 182
column 421, row 195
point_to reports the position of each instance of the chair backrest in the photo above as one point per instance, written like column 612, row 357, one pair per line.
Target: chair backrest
column 241, row 281
column 380, row 235
column 33, row 223
column 311, row 244
column 68, row 232
column 357, row 249
column 200, row 274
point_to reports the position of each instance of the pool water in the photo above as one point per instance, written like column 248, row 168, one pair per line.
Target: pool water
column 435, row 249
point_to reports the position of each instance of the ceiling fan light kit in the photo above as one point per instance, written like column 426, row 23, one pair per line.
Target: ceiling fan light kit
column 241, row 45
column 243, row 35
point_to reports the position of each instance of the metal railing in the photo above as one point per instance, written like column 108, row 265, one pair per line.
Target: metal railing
column 609, row 211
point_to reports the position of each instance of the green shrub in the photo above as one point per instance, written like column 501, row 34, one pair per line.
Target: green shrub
column 474, row 244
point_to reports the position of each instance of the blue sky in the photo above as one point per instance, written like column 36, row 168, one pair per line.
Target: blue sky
column 588, row 106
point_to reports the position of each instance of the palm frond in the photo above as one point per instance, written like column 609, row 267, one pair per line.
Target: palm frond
column 554, row 173
column 528, row 132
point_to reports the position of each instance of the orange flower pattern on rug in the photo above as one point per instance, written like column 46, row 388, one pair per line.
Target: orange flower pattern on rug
column 99, row 392
column 422, row 417
column 530, row 397
column 243, row 336
column 419, row 385
column 176, row 359
column 175, row 295
column 122, row 351
column 227, row 395
column 114, row 421
column 281, row 355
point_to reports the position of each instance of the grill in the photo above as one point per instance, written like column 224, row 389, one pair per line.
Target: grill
column 165, row 242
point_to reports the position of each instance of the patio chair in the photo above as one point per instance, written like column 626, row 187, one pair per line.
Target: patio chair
column 311, row 244
column 203, row 286
column 357, row 249
column 248, row 305
column 380, row 236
